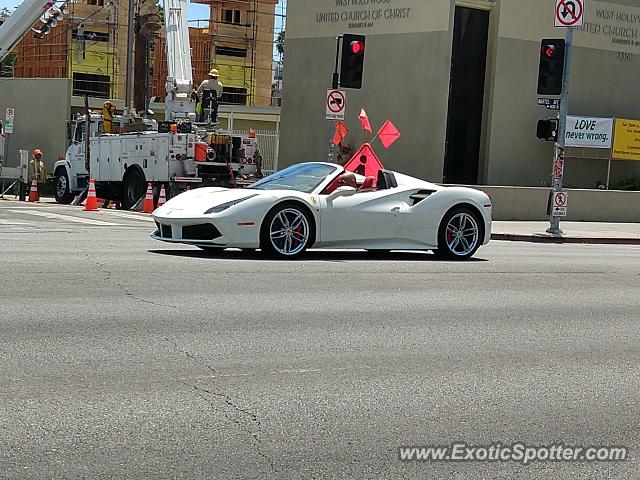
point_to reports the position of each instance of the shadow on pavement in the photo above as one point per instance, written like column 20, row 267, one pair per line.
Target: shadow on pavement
column 315, row 255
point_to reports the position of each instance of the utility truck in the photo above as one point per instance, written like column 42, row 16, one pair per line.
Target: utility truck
column 122, row 164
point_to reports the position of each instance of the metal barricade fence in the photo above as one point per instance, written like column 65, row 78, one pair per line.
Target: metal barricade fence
column 269, row 144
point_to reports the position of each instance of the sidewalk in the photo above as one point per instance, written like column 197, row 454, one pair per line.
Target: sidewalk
column 573, row 232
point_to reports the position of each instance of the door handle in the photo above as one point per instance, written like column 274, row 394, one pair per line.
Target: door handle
column 395, row 209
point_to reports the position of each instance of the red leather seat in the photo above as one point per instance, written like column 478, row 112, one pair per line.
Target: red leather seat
column 368, row 184
column 347, row 179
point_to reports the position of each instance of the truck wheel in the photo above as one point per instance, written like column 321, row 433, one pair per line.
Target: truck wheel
column 62, row 189
column 134, row 188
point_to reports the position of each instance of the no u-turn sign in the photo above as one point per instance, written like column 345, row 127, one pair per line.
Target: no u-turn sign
column 569, row 13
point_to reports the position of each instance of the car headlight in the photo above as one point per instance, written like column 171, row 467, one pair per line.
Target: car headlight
column 223, row 206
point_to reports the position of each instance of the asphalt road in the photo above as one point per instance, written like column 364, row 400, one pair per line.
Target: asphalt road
column 121, row 357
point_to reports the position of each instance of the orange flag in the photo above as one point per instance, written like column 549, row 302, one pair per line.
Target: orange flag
column 341, row 132
column 364, row 120
column 388, row 134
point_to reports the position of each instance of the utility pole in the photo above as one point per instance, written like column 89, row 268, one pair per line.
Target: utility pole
column 554, row 221
column 128, row 107
column 335, row 83
column 141, row 69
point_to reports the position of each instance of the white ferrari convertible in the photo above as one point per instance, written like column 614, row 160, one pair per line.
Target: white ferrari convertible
column 322, row 205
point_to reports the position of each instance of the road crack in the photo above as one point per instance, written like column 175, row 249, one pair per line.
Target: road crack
column 108, row 276
column 245, row 420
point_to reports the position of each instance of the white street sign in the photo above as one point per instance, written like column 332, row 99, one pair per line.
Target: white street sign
column 560, row 200
column 559, row 211
column 589, row 132
column 9, row 117
column 569, row 13
column 336, row 104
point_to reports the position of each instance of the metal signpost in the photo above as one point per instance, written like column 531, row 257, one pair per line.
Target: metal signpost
column 568, row 14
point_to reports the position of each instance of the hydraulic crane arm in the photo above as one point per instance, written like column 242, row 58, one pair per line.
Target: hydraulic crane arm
column 19, row 23
column 180, row 76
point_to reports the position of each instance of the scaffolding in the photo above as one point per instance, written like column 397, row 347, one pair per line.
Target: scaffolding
column 88, row 56
column 241, row 44
column 245, row 51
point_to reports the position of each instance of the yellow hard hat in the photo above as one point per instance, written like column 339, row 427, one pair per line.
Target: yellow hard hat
column 214, row 72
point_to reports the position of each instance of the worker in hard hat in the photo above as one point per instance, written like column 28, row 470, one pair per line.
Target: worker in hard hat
column 36, row 168
column 108, row 115
column 209, row 92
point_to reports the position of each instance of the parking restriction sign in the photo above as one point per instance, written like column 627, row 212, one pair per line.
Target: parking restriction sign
column 9, row 117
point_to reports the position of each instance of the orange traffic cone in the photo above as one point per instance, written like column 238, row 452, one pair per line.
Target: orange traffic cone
column 147, row 206
column 163, row 196
column 34, row 196
column 92, row 202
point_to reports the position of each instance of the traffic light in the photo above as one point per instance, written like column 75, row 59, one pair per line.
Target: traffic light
column 352, row 65
column 551, row 70
column 548, row 129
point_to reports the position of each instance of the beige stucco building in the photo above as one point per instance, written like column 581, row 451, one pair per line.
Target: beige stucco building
column 458, row 78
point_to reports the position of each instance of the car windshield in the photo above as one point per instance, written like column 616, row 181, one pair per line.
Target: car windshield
column 304, row 177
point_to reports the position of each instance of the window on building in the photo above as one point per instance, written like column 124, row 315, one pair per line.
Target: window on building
column 99, row 3
column 231, row 51
column 231, row 16
column 93, row 85
column 233, row 95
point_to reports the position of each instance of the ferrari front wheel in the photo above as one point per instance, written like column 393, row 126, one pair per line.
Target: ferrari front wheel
column 459, row 236
column 286, row 232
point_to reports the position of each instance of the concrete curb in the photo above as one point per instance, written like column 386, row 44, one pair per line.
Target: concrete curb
column 539, row 238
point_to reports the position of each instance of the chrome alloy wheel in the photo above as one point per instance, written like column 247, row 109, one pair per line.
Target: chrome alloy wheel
column 289, row 232
column 462, row 234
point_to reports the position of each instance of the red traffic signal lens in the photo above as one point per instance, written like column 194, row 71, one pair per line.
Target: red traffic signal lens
column 357, row 47
column 549, row 51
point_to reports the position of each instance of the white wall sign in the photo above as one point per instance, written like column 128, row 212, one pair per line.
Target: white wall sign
column 328, row 18
column 588, row 132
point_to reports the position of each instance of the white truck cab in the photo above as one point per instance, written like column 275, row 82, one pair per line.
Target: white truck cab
column 72, row 173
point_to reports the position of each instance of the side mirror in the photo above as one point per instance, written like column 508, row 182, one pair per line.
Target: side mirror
column 344, row 191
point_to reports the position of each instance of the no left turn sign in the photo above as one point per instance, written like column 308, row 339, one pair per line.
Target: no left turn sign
column 336, row 104
column 569, row 13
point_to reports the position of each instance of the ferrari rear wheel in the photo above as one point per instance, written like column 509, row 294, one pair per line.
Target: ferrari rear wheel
column 459, row 236
column 286, row 232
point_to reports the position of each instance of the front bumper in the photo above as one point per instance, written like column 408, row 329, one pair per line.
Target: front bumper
column 222, row 232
